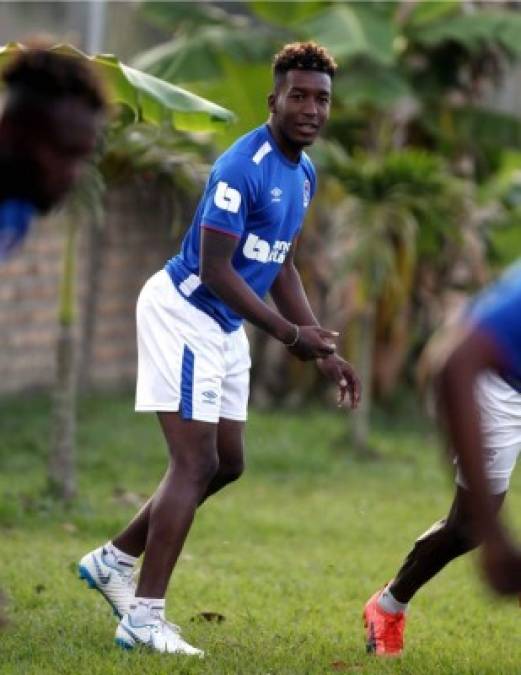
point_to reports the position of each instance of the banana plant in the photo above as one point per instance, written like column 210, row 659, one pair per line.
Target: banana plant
column 395, row 205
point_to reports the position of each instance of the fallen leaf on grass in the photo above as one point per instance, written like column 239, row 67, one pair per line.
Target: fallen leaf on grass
column 342, row 665
column 69, row 527
column 209, row 616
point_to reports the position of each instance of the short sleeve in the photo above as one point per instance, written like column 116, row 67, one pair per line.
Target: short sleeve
column 230, row 195
column 502, row 321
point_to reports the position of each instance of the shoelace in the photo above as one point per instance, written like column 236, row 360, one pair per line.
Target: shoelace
column 172, row 626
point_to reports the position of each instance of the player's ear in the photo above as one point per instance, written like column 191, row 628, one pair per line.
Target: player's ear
column 272, row 102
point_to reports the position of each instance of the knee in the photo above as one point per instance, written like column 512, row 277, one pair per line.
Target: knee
column 231, row 471
column 199, row 466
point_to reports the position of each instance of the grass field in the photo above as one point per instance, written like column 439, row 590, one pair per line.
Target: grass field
column 288, row 555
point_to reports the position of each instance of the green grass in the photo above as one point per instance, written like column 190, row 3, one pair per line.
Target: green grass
column 288, row 555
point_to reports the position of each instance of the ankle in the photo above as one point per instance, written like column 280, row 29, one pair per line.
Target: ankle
column 146, row 609
column 390, row 604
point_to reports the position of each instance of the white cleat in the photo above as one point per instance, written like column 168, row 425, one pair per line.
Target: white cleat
column 102, row 573
column 155, row 634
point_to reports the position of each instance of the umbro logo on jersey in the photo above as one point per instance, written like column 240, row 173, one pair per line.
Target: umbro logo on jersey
column 276, row 194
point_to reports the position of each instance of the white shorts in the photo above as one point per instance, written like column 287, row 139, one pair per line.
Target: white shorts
column 500, row 412
column 186, row 362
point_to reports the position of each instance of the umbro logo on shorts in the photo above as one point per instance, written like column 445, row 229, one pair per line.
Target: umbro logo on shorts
column 209, row 397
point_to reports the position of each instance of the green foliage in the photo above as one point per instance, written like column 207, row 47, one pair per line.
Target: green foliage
column 351, row 30
column 367, row 84
column 279, row 14
column 149, row 98
column 172, row 15
column 194, row 58
column 474, row 31
column 425, row 13
column 402, row 184
column 246, row 91
column 503, row 231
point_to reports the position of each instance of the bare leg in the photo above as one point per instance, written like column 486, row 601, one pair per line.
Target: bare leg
column 444, row 541
column 231, row 465
column 193, row 464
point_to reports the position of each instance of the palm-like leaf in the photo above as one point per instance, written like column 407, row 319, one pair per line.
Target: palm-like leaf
column 351, row 30
column 149, row 98
column 474, row 31
column 369, row 84
column 193, row 57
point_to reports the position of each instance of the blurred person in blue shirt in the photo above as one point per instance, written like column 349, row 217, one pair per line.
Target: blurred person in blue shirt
column 53, row 109
column 479, row 397
column 52, row 113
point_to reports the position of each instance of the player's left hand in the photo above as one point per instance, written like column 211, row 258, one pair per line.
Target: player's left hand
column 343, row 375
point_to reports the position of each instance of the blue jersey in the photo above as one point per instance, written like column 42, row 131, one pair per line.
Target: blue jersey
column 497, row 311
column 257, row 195
column 15, row 218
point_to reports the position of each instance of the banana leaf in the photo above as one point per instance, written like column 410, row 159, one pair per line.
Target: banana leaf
column 147, row 97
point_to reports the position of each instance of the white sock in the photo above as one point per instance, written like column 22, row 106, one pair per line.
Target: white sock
column 144, row 609
column 122, row 559
column 389, row 603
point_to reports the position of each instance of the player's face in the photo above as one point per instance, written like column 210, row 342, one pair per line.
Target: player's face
column 58, row 156
column 300, row 106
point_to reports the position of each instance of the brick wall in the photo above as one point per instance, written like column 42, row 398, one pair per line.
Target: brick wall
column 113, row 263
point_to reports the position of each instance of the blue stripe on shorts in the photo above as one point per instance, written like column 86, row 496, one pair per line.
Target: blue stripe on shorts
column 187, row 383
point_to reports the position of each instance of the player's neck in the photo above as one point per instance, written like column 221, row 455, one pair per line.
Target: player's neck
column 288, row 149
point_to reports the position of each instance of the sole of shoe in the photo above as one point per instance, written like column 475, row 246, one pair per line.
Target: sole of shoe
column 85, row 575
column 123, row 644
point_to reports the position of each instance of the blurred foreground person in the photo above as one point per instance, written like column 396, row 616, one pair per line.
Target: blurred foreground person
column 480, row 404
column 193, row 354
column 53, row 109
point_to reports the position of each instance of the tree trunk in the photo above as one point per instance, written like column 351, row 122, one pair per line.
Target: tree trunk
column 94, row 266
column 61, row 468
column 365, row 329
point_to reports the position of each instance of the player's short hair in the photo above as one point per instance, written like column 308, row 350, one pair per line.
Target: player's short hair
column 47, row 76
column 303, row 56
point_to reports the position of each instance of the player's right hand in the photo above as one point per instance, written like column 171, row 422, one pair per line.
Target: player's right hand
column 314, row 342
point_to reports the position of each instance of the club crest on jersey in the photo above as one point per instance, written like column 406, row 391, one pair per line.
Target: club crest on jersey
column 258, row 249
column 276, row 194
column 307, row 193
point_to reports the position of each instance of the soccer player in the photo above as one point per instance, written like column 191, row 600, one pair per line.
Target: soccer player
column 480, row 401
column 193, row 357
column 53, row 110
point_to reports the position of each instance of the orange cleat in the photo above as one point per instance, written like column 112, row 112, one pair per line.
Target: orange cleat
column 383, row 630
